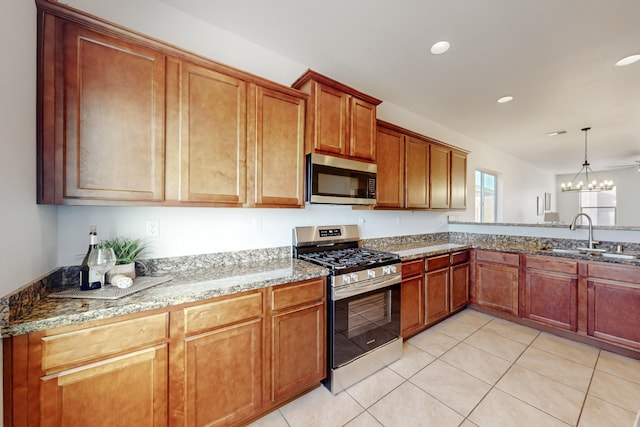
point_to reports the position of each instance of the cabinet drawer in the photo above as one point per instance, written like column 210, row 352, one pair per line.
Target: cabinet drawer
column 436, row 263
column 296, row 294
column 412, row 268
column 498, row 257
column 551, row 264
column 94, row 343
column 460, row 257
column 621, row 273
column 223, row 312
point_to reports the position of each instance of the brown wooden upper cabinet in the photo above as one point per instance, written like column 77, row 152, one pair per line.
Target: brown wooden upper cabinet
column 342, row 120
column 390, row 176
column 440, row 176
column 212, row 114
column 128, row 120
column 418, row 172
column 102, row 113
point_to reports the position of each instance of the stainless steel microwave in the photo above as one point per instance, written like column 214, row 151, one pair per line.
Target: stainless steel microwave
column 335, row 180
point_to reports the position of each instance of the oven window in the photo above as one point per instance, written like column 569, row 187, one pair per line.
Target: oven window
column 368, row 313
column 363, row 322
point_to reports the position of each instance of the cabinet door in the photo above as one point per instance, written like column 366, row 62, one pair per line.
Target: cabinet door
column 223, row 378
column 458, row 180
column 276, row 157
column 298, row 350
column 552, row 299
column 436, row 285
column 412, row 309
column 213, row 140
column 497, row 287
column 129, row 390
column 331, row 116
column 612, row 311
column 362, row 129
column 112, row 118
column 390, row 176
column 459, row 286
column 417, row 173
column 439, row 169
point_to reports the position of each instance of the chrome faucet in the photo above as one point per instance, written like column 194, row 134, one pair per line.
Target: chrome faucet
column 572, row 227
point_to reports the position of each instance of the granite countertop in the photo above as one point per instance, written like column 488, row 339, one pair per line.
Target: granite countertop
column 184, row 287
column 417, row 250
column 204, row 277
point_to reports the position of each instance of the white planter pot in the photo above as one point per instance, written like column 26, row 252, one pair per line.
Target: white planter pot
column 128, row 270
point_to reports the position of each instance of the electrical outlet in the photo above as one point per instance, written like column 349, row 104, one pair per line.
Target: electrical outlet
column 153, row 228
column 257, row 224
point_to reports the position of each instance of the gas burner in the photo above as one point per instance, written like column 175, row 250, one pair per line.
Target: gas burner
column 350, row 258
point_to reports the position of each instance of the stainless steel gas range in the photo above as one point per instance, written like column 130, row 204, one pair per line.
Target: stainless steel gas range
column 363, row 311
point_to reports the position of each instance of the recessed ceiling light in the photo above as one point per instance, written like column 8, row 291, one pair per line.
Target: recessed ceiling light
column 558, row 132
column 628, row 60
column 440, row 47
column 505, row 99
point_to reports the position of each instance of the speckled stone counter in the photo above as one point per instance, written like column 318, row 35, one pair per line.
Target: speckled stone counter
column 417, row 250
column 416, row 247
column 201, row 282
column 197, row 278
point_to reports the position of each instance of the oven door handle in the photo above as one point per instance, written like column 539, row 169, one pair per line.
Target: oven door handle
column 349, row 291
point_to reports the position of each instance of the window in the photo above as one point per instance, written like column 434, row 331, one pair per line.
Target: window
column 600, row 206
column 486, row 200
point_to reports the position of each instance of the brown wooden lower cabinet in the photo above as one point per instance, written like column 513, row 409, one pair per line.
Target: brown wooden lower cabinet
column 613, row 304
column 597, row 300
column 130, row 390
column 460, row 272
column 432, row 289
column 298, row 337
column 550, row 293
column 496, row 280
column 412, row 297
column 223, row 374
column 216, row 363
column 436, row 283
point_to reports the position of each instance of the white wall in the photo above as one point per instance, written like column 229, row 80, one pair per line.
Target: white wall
column 627, row 182
column 188, row 231
column 28, row 232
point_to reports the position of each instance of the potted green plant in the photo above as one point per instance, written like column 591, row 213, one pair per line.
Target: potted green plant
column 127, row 251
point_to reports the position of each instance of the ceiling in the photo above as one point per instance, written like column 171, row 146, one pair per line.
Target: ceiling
column 556, row 58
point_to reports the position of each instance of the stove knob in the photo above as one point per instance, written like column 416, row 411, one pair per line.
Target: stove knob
column 386, row 270
column 354, row 277
column 371, row 273
column 392, row 268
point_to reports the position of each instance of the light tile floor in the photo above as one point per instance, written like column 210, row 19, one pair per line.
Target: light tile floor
column 477, row 370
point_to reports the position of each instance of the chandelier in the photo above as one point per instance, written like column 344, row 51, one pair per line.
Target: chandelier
column 592, row 185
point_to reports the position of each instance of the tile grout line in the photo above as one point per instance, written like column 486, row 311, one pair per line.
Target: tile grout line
column 498, row 380
column 586, row 393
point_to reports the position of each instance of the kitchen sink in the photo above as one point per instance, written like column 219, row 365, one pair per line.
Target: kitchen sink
column 618, row 255
column 594, row 252
column 567, row 251
column 591, row 250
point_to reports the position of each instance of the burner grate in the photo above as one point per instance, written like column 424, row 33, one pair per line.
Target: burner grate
column 349, row 258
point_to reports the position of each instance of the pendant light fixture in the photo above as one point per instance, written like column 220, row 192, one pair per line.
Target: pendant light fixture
column 591, row 185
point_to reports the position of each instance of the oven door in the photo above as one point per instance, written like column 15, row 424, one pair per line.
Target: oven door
column 360, row 323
